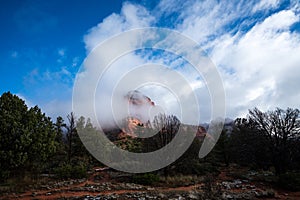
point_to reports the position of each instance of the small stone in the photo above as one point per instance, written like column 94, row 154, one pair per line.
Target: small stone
column 179, row 197
column 237, row 182
column 161, row 195
column 227, row 196
column 192, row 196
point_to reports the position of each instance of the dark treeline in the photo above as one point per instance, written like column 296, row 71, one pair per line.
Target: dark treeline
column 270, row 139
column 32, row 144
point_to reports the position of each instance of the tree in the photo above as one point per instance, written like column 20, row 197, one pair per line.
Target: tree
column 282, row 131
column 42, row 136
column 189, row 162
column 75, row 149
column 87, row 132
column 248, row 145
column 27, row 136
column 221, row 151
column 59, row 127
column 60, row 155
column 167, row 127
column 71, row 136
column 12, row 133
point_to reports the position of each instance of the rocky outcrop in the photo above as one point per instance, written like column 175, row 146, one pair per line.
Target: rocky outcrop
column 136, row 98
column 139, row 106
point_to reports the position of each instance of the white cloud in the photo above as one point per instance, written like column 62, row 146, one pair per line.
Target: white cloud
column 203, row 20
column 131, row 16
column 61, row 52
column 257, row 56
column 75, row 62
column 127, row 74
column 125, row 66
column 57, row 107
column 265, row 4
column 280, row 21
column 27, row 101
column 264, row 62
column 50, row 90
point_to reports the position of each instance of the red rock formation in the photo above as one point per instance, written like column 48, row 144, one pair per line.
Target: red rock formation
column 138, row 99
column 139, row 104
column 201, row 132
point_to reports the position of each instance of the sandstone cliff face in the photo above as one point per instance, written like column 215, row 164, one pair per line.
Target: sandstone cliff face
column 130, row 127
column 138, row 117
column 139, row 106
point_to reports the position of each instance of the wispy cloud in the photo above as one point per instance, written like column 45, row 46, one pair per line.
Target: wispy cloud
column 75, row 61
column 251, row 43
column 265, row 4
column 256, row 54
column 14, row 54
column 131, row 16
column 263, row 61
column 61, row 52
column 50, row 89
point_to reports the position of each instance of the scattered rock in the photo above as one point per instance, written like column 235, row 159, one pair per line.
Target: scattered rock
column 265, row 194
column 193, row 196
column 226, row 196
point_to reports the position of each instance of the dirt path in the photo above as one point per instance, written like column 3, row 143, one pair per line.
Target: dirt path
column 66, row 192
column 106, row 185
column 70, row 190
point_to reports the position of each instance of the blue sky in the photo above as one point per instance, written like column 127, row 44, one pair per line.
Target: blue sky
column 254, row 44
column 44, row 35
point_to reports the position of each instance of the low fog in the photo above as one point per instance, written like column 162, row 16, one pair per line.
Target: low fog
column 132, row 76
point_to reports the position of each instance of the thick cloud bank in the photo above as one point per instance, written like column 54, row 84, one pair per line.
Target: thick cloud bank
column 254, row 44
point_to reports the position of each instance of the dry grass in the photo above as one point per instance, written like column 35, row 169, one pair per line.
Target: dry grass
column 180, row 180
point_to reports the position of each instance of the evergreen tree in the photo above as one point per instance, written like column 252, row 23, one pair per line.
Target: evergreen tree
column 27, row 136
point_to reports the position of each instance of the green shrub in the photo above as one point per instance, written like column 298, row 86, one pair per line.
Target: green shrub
column 79, row 171
column 195, row 167
column 4, row 174
column 179, row 180
column 290, row 181
column 71, row 171
column 204, row 168
column 145, row 179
